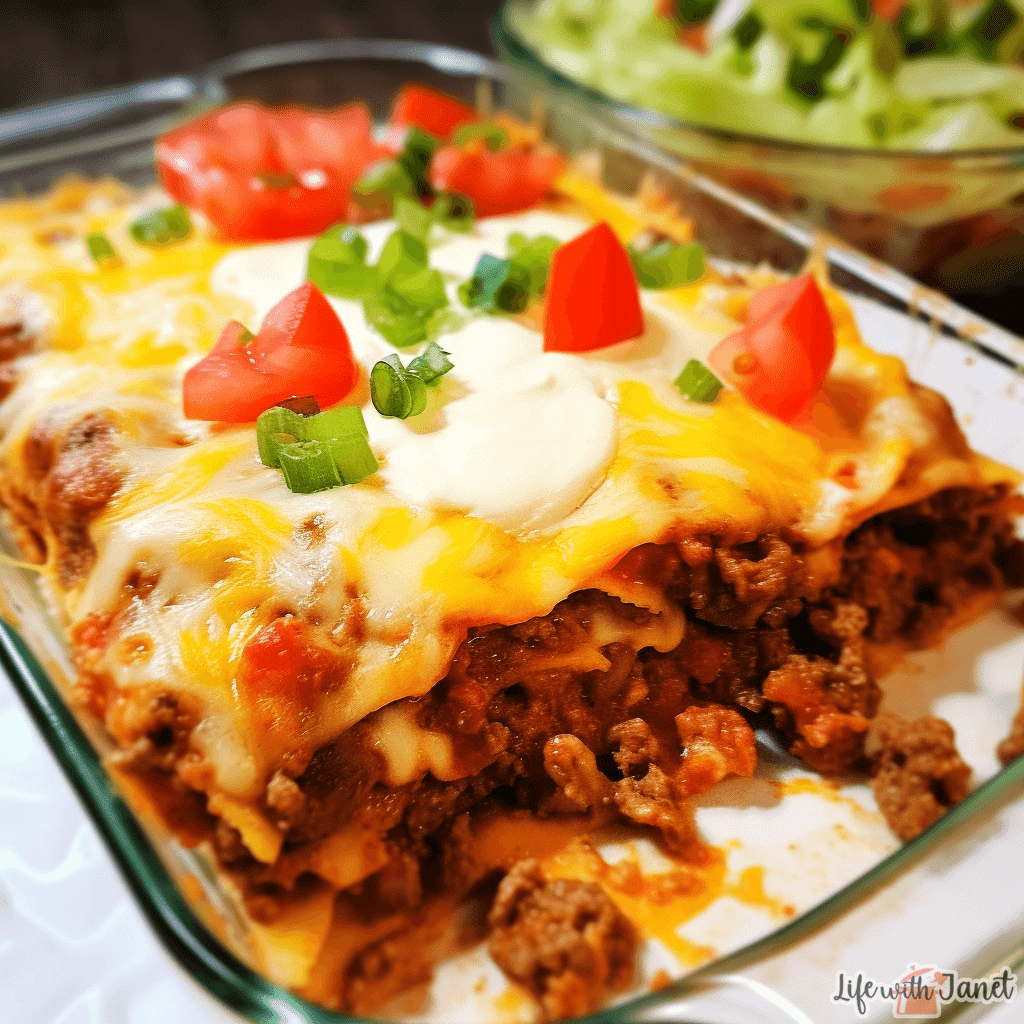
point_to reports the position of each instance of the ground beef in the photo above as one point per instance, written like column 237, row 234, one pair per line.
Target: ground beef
column 565, row 941
column 16, row 339
column 72, row 474
column 919, row 775
column 1013, row 746
column 912, row 567
column 532, row 730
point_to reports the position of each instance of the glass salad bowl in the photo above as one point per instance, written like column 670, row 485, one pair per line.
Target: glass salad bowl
column 952, row 219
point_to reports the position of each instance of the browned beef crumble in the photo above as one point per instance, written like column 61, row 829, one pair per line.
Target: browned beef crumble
column 15, row 340
column 919, row 774
column 71, row 475
column 1013, row 746
column 564, row 941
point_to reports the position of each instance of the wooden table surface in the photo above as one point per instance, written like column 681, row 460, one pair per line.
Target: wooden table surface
column 48, row 49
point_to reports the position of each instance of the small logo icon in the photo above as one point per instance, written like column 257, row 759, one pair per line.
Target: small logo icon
column 918, row 995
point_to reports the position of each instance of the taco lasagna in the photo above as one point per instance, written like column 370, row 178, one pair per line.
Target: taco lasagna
column 532, row 518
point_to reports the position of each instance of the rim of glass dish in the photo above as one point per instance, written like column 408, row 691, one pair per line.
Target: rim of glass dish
column 505, row 35
column 203, row 956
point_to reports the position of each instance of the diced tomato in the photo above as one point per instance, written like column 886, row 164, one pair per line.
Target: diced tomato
column 592, row 295
column 258, row 173
column 497, row 182
column 435, row 112
column 281, row 676
column 779, row 359
column 301, row 349
column 888, row 10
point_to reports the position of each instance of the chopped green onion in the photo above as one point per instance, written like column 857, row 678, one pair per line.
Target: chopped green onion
column 698, row 383
column 431, row 365
column 805, row 76
column 403, row 255
column 270, row 425
column 998, row 18
column 332, row 424
column 533, row 256
column 100, row 248
column 337, row 263
column 400, row 322
column 415, row 159
column 353, row 457
column 453, row 211
column 886, row 48
column 308, row 466
column 394, row 391
column 423, row 289
column 748, row 30
column 497, row 284
column 666, row 264
column 693, row 12
column 162, row 227
column 280, row 421
column 413, row 217
column 386, row 177
column 493, row 135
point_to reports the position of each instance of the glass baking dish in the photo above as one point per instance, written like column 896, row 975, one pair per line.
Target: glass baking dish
column 944, row 343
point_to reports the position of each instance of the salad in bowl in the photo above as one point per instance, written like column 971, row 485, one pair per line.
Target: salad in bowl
column 896, row 125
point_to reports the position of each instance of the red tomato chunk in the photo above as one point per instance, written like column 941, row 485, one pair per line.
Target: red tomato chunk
column 301, row 349
column 592, row 296
column 260, row 173
column 779, row 359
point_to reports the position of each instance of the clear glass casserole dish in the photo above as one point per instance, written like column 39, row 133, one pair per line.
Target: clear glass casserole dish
column 950, row 219
column 940, row 340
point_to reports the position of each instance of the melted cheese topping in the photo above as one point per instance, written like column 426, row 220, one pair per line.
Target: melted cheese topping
column 528, row 477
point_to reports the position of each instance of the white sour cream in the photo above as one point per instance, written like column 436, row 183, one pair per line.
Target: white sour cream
column 513, row 434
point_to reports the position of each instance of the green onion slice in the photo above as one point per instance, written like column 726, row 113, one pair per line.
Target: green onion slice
column 281, row 422
column 453, row 211
column 413, row 217
column 331, row 424
column 308, row 466
column 431, row 365
column 533, row 256
column 162, row 227
column 748, row 30
column 271, row 426
column 493, row 135
column 415, row 159
column 394, row 391
column 666, row 264
column 424, row 290
column 497, row 285
column 698, row 383
column 693, row 12
column 386, row 177
column 353, row 457
column 400, row 322
column 337, row 263
column 996, row 19
column 100, row 248
column 403, row 255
